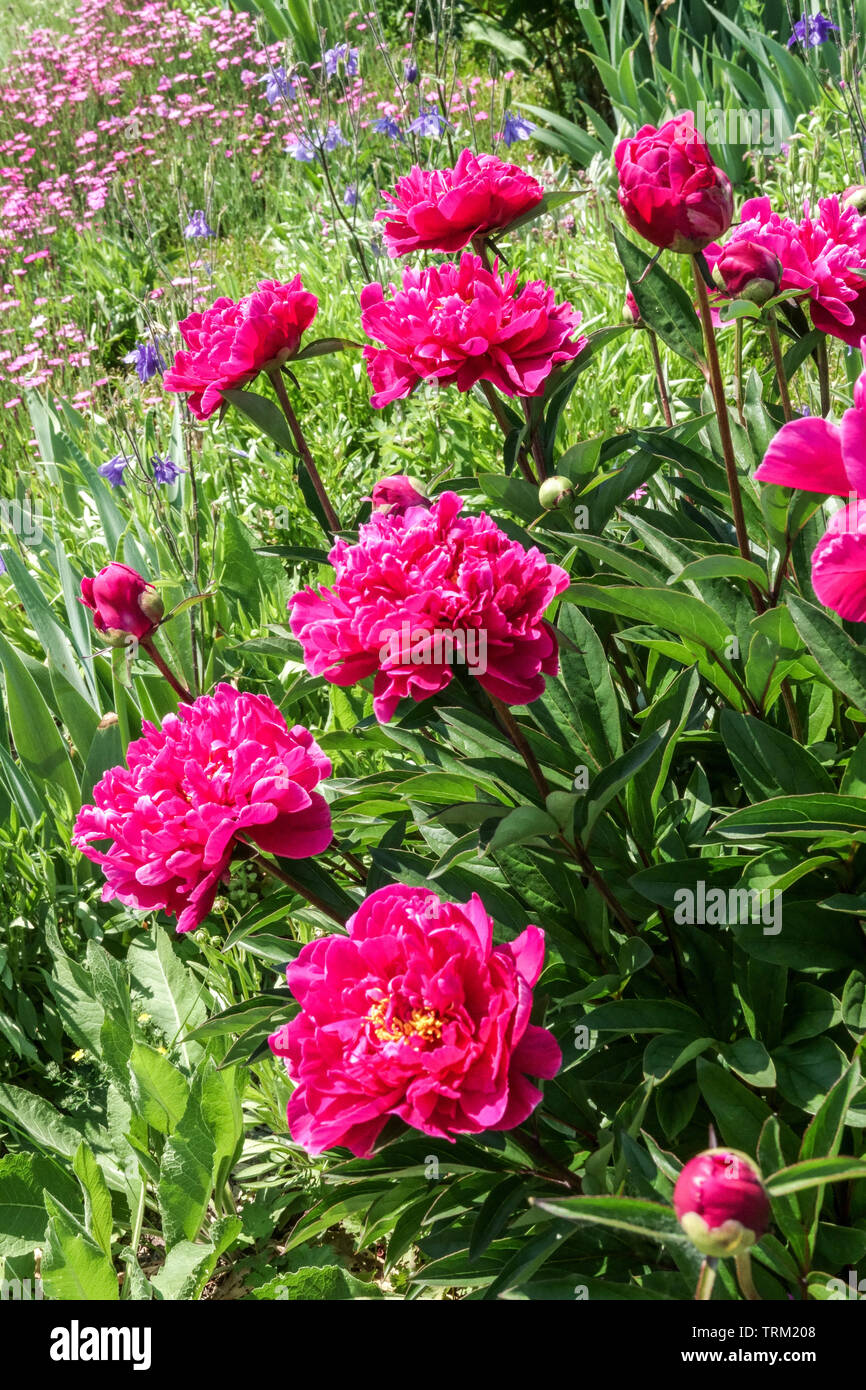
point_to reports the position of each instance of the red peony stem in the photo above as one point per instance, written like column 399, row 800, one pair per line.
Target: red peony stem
column 165, row 670
column 279, row 873
column 706, row 1280
column 660, row 378
column 776, row 349
column 303, row 449
column 718, row 389
column 502, row 421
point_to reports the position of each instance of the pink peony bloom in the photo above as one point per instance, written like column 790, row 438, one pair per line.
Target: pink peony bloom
column 818, row 255
column 425, row 590
column 222, row 767
column 721, row 1203
column 122, row 602
column 839, row 563
column 415, row 1014
column 459, row 324
column 443, row 209
column 669, row 188
column 230, row 343
column 818, row 456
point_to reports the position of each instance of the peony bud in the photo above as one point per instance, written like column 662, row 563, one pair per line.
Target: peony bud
column 721, row 1203
column 630, row 309
column 394, row 496
column 553, row 492
column 747, row 270
column 123, row 603
column 855, row 197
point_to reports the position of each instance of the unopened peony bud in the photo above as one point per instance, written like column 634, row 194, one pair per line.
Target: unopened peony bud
column 553, row 492
column 395, row 495
column 122, row 602
column 721, row 1203
column 630, row 309
column 746, row 270
column 855, row 197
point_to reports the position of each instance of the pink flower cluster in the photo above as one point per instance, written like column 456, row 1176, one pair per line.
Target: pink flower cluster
column 818, row 456
column 222, row 768
column 232, row 342
column 420, row 582
column 458, row 323
column 820, row 255
column 415, row 1014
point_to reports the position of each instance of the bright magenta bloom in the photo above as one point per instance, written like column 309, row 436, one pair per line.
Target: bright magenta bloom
column 818, row 456
column 416, row 1014
column 819, row 255
column 230, row 343
column 459, row 324
column 443, row 209
column 721, row 1203
column 669, row 188
column 224, row 766
column 425, row 590
column 839, row 563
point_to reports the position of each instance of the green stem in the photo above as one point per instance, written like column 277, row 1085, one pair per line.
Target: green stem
column 823, row 375
column 304, row 449
column 502, row 421
column 706, row 1280
column 743, row 1263
column 279, row 873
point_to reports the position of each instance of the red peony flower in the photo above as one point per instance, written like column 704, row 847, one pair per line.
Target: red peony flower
column 425, row 591
column 222, row 767
column 230, row 343
column 122, row 602
column 669, row 188
column 416, row 1014
column 459, row 324
column 443, row 209
column 721, row 1203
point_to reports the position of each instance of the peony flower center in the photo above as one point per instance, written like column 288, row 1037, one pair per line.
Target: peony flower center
column 425, row 1024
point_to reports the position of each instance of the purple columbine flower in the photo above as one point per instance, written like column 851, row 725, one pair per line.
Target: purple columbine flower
column 300, row 148
column 278, row 85
column 197, row 226
column 410, row 72
column 515, row 128
column 386, row 125
column 113, row 470
column 341, row 54
column 165, row 470
column 350, row 196
column 812, row 30
column 332, row 137
column 147, row 360
column 430, row 123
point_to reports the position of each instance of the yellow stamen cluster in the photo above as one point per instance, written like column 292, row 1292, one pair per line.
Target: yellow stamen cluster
column 420, row 1023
